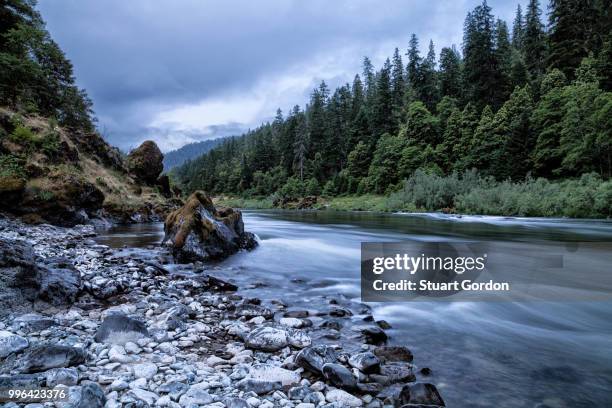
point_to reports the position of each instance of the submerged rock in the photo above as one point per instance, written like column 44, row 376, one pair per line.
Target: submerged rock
column 367, row 363
column 420, row 394
column 199, row 232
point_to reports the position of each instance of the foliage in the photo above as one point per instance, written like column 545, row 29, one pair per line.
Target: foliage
column 511, row 107
column 11, row 166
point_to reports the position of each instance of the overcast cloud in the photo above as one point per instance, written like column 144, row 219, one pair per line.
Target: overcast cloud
column 178, row 71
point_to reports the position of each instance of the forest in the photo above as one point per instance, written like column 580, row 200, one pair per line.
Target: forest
column 520, row 105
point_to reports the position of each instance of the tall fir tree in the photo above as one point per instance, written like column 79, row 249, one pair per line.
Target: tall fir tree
column 534, row 41
column 450, row 73
column 518, row 29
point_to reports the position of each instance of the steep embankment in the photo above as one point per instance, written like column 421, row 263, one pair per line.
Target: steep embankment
column 52, row 174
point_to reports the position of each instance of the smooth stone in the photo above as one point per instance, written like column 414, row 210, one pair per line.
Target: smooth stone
column 62, row 376
column 366, row 362
column 267, row 339
column 420, row 394
column 117, row 328
column 272, row 373
column 343, row 398
column 313, row 358
column 340, row 376
column 44, row 357
column 11, row 343
column 259, row 387
column 145, row 370
column 196, row 395
column 393, row 353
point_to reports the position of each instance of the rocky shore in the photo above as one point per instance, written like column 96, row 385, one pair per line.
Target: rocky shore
column 120, row 328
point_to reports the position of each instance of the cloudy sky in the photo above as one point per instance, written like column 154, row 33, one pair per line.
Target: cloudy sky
column 179, row 71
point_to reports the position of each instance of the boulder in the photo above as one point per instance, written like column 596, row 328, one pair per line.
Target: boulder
column 267, row 339
column 117, row 328
column 11, row 343
column 339, row 376
column 60, row 282
column 43, row 357
column 19, row 275
column 314, row 358
column 92, row 396
column 145, row 162
column 393, row 353
column 200, row 232
column 366, row 362
column 420, row 394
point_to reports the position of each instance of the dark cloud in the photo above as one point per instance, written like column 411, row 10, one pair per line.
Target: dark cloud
column 140, row 59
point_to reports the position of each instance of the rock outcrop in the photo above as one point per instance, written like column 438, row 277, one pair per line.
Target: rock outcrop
column 200, row 232
column 145, row 162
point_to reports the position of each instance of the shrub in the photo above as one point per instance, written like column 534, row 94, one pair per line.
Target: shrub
column 11, row 166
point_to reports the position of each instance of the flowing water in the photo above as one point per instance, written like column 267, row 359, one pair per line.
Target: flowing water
column 482, row 353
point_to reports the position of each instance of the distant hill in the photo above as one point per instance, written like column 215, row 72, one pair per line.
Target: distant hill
column 190, row 151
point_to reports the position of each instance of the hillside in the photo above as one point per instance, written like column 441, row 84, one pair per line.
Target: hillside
column 188, row 152
column 51, row 174
column 54, row 166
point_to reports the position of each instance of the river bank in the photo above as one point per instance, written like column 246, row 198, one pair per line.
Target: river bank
column 127, row 327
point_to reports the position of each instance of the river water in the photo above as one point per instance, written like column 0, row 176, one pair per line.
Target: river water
column 482, row 353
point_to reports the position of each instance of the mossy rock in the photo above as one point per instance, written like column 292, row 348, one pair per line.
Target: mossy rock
column 199, row 232
column 145, row 163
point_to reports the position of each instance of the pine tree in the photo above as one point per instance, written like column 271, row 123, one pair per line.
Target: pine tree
column 413, row 69
column 503, row 57
column 301, row 145
column 428, row 87
column 480, row 65
column 534, row 46
column 518, row 28
column 398, row 85
column 450, row 73
column 382, row 114
column 571, row 32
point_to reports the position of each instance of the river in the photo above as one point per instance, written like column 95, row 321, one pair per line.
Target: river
column 482, row 353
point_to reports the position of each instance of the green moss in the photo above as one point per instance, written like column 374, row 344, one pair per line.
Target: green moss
column 254, row 203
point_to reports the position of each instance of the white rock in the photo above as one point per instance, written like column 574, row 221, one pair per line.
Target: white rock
column 272, row 373
column 118, row 355
column 144, row 395
column 11, row 343
column 145, row 370
column 291, row 322
column 343, row 398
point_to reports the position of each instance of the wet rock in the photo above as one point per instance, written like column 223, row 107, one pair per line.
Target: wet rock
column 199, row 232
column 373, row 335
column 339, row 376
column 300, row 314
column 259, row 387
column 60, row 282
column 369, row 388
column 43, row 357
column 394, row 372
column 145, row 162
column 367, row 363
column 393, row 353
column 117, row 328
column 22, row 381
column 33, row 321
column 61, row 376
column 314, row 358
column 420, row 394
column 298, row 339
column 267, row 339
column 11, row 343
column 92, row 396
column 250, row 311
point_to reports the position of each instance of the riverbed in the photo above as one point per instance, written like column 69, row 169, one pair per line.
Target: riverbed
column 499, row 353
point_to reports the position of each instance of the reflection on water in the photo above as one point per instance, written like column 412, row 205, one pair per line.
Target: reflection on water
column 483, row 354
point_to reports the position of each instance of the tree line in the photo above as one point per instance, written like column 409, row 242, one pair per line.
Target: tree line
column 533, row 100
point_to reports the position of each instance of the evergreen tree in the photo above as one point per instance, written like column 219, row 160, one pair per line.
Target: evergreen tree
column 518, row 28
column 428, row 87
column 450, row 73
column 398, row 85
column 571, row 36
column 534, row 46
column 382, row 112
column 480, row 65
column 503, row 57
column 413, row 69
